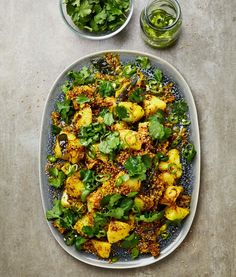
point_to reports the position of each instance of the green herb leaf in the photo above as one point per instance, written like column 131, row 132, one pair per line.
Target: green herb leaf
column 121, row 112
column 130, row 242
column 56, row 210
column 79, row 243
column 66, row 86
column 158, row 75
column 157, row 130
column 109, row 119
column 137, row 96
column 65, row 109
column 81, row 99
column 129, row 70
column 82, row 77
column 56, row 178
column 106, row 89
column 136, row 167
column 56, row 130
column 150, row 217
column 120, row 180
column 144, row 62
column 110, row 144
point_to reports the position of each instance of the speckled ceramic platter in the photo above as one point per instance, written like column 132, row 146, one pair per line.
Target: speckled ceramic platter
column 191, row 174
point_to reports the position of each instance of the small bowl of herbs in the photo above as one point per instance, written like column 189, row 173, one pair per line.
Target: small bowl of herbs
column 96, row 19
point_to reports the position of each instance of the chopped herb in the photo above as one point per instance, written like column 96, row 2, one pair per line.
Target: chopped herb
column 82, row 77
column 137, row 96
column 120, row 180
column 110, row 144
column 129, row 70
column 158, row 75
column 121, row 112
column 108, row 119
column 130, row 242
column 79, row 243
column 66, row 86
column 136, row 167
column 157, row 130
column 57, row 177
column 65, row 109
column 106, row 89
column 56, row 130
column 56, row 210
column 81, row 99
column 144, row 62
column 150, row 217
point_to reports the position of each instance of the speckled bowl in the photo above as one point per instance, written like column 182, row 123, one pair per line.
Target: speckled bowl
column 191, row 174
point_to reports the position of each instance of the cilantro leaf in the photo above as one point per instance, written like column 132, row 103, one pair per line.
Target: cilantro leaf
column 121, row 112
column 129, row 70
column 65, row 109
column 137, row 96
column 106, row 89
column 150, row 217
column 157, row 130
column 158, row 75
column 82, row 77
column 100, row 17
column 55, row 212
column 130, row 242
column 91, row 133
column 136, row 167
column 84, row 8
column 110, row 144
column 109, row 119
column 79, row 242
column 56, row 130
column 144, row 62
column 81, row 99
column 57, row 177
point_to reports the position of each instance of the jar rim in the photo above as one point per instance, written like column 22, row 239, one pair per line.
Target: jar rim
column 178, row 15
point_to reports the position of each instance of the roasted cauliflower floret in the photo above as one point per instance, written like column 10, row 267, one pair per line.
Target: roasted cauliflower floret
column 117, row 230
column 152, row 104
column 130, row 139
column 134, row 111
column 103, row 248
column 68, row 147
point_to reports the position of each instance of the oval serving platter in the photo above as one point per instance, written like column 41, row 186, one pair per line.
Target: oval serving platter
column 193, row 183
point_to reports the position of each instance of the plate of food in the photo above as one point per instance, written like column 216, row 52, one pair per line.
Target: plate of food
column 120, row 159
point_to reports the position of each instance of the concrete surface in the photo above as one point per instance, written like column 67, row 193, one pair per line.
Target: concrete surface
column 35, row 46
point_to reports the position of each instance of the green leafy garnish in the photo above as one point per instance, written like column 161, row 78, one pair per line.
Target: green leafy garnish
column 56, row 210
column 150, row 217
column 79, row 242
column 129, row 70
column 179, row 112
column 97, row 15
column 57, row 177
column 82, row 77
column 108, row 119
column 144, row 62
column 91, row 133
column 106, row 89
column 130, row 242
column 56, row 130
column 81, row 99
column 97, row 229
column 65, row 109
column 157, row 130
column 137, row 167
column 137, row 96
column 110, row 144
column 120, row 180
column 67, row 86
column 121, row 112
column 158, row 75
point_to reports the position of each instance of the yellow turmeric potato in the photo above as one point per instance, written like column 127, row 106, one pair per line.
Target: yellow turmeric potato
column 117, row 230
column 86, row 220
column 173, row 165
column 103, row 248
column 82, row 118
column 120, row 126
column 124, row 85
column 110, row 102
column 134, row 111
column 130, row 139
column 171, row 194
column 64, row 200
column 138, row 203
column 68, row 147
column 176, row 213
column 133, row 184
column 152, row 104
column 74, row 186
column 167, row 178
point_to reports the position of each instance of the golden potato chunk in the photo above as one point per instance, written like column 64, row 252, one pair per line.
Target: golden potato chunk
column 152, row 104
column 74, row 186
column 173, row 165
column 82, row 118
column 117, row 230
column 130, row 139
column 133, row 184
column 176, row 213
column 167, row 178
column 68, row 147
column 86, row 220
column 103, row 248
column 64, row 200
column 134, row 111
column 171, row 194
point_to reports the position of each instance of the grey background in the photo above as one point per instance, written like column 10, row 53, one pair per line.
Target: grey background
column 35, row 46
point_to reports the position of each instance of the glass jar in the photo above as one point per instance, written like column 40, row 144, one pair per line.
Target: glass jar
column 161, row 22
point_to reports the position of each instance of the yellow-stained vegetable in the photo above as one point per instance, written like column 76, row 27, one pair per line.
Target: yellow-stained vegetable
column 173, row 165
column 134, row 111
column 68, row 147
column 64, row 200
column 133, row 184
column 176, row 213
column 74, row 186
column 82, row 118
column 139, row 203
column 120, row 126
column 117, row 230
column 86, row 220
column 103, row 248
column 152, row 104
column 171, row 194
column 130, row 139
column 167, row 178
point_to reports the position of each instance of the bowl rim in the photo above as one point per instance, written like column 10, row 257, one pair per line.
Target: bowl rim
column 194, row 201
column 98, row 37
